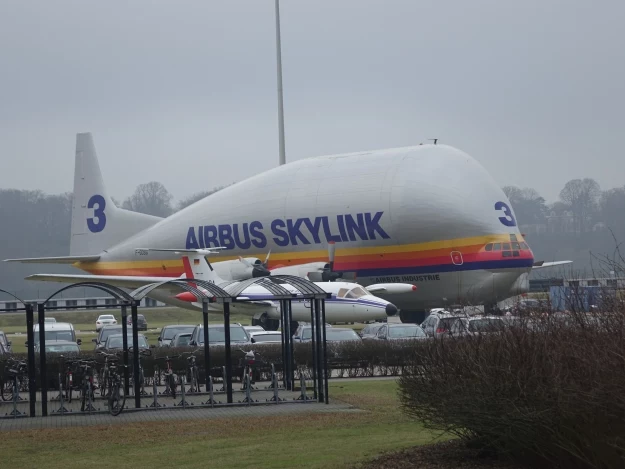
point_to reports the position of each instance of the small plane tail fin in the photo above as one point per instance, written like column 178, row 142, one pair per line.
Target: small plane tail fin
column 196, row 266
column 97, row 224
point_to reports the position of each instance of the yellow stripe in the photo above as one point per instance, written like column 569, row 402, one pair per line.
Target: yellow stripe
column 318, row 254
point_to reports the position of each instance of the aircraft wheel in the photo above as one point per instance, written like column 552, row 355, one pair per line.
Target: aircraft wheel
column 271, row 324
column 412, row 317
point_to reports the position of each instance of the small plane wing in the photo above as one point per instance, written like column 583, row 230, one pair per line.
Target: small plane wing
column 55, row 260
column 543, row 264
column 122, row 281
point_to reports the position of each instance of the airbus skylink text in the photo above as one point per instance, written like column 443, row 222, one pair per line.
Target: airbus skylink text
column 285, row 232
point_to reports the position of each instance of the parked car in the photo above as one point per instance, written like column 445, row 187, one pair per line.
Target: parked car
column 370, row 330
column 477, row 326
column 168, row 333
column 104, row 333
column 65, row 347
column 4, row 340
column 216, row 335
column 181, row 339
column 401, row 332
column 3, row 351
column 57, row 331
column 252, row 329
column 142, row 323
column 49, row 319
column 439, row 323
column 104, row 320
column 333, row 334
column 266, row 337
column 116, row 342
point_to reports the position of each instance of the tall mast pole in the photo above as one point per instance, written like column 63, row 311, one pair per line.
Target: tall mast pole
column 280, row 103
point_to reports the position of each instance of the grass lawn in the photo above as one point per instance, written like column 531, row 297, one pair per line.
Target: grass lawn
column 315, row 440
column 84, row 321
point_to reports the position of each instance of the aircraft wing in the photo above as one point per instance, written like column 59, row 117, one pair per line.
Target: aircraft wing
column 543, row 264
column 55, row 260
column 122, row 281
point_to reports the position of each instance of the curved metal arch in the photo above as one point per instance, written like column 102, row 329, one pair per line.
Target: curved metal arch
column 184, row 284
column 278, row 291
column 303, row 285
column 115, row 292
column 11, row 294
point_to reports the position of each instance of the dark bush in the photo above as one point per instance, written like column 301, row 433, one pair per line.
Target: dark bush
column 548, row 389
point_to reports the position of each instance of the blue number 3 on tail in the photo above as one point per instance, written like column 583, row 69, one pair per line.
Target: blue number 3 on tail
column 98, row 204
column 508, row 220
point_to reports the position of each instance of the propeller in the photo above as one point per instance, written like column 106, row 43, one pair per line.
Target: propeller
column 328, row 274
column 259, row 269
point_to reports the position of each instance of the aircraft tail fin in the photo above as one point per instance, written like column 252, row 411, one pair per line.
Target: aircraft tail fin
column 97, row 224
column 196, row 266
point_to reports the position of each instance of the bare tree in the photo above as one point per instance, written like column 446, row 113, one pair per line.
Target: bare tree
column 582, row 196
column 528, row 205
column 151, row 198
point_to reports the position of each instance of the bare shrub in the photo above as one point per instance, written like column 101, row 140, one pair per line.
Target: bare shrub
column 549, row 388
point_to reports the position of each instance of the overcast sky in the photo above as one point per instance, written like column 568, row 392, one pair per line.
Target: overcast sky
column 184, row 92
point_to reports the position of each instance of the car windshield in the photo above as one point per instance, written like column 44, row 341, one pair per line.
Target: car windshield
column 486, row 325
column 218, row 334
column 65, row 348
column 107, row 331
column 404, row 332
column 116, row 341
column 183, row 339
column 445, row 324
column 56, row 335
column 372, row 329
column 170, row 332
column 268, row 337
column 341, row 334
column 106, row 317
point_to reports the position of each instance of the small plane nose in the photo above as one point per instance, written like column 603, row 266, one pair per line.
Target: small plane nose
column 391, row 309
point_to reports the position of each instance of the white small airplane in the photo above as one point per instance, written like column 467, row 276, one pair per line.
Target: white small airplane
column 349, row 301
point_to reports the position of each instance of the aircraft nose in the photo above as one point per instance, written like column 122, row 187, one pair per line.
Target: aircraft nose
column 391, row 309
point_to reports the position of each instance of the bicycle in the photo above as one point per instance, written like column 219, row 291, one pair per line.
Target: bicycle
column 88, row 387
column 170, row 378
column 104, row 383
column 142, row 353
column 248, row 362
column 16, row 370
column 116, row 395
column 194, row 376
column 69, row 377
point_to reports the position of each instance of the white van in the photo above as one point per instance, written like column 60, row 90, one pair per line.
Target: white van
column 57, row 331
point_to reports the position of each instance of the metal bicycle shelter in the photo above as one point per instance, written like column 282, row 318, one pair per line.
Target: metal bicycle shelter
column 206, row 293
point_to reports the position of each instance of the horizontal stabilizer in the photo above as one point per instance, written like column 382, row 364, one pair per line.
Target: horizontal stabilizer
column 121, row 281
column 543, row 264
column 55, row 260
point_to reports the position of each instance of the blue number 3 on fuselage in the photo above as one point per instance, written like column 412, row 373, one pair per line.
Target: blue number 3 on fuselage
column 98, row 204
column 508, row 220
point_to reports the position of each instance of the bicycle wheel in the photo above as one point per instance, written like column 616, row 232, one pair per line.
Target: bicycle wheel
column 117, row 399
column 85, row 392
column 68, row 388
column 103, row 384
column 195, row 382
column 172, row 385
column 7, row 390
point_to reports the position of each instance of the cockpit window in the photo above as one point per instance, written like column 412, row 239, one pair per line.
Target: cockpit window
column 497, row 247
column 516, row 246
column 342, row 292
column 356, row 292
column 524, row 246
column 506, row 246
column 489, row 247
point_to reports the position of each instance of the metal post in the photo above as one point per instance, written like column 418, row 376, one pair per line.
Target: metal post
column 207, row 362
column 290, row 357
column 125, row 349
column 135, row 355
column 313, row 342
column 283, row 340
column 325, row 352
column 280, row 103
column 228, row 351
column 41, row 314
column 288, row 339
column 32, row 377
column 318, row 349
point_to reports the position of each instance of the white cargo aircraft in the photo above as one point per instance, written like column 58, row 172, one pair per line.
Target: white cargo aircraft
column 428, row 215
